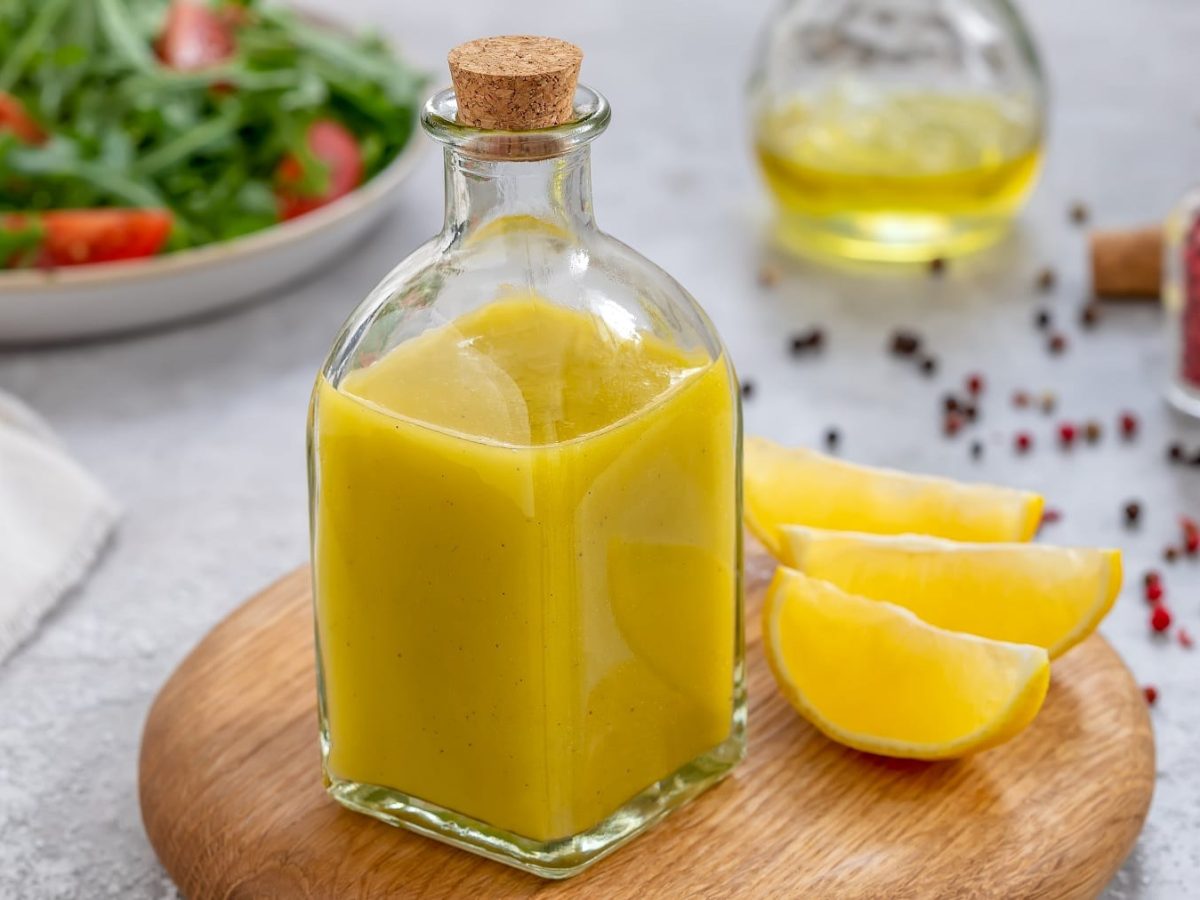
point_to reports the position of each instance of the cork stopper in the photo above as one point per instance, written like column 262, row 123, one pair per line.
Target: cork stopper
column 1127, row 263
column 516, row 82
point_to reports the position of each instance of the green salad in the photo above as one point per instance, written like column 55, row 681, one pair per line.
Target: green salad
column 133, row 127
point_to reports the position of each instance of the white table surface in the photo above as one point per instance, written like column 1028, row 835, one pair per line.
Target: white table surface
column 200, row 430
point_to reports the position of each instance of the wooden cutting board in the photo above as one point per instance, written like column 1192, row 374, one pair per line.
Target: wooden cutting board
column 232, row 800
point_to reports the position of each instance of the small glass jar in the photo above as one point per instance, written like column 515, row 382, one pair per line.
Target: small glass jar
column 525, row 482
column 902, row 130
column 1181, row 301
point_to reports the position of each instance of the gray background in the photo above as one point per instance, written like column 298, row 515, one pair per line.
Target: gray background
column 199, row 430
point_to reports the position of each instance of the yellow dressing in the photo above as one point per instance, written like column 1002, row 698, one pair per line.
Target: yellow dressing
column 952, row 168
column 525, row 556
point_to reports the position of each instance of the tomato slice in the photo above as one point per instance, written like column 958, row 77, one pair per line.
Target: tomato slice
column 195, row 37
column 76, row 237
column 14, row 118
column 335, row 146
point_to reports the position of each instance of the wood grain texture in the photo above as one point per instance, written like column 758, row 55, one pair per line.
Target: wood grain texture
column 232, row 800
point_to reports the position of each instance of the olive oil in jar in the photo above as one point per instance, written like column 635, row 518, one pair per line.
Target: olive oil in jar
column 898, row 176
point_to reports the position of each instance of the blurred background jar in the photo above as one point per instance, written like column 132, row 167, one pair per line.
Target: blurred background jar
column 1181, row 300
column 901, row 130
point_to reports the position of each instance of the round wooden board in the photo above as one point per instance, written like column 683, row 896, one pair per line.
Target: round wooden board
column 232, row 800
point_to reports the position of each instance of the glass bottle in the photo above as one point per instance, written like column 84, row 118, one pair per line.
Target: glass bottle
column 525, row 484
column 902, row 130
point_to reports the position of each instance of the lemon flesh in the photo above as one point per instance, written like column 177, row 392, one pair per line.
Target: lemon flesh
column 1052, row 597
column 803, row 487
column 872, row 675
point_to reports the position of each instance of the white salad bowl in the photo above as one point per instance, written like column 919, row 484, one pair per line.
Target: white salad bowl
column 71, row 303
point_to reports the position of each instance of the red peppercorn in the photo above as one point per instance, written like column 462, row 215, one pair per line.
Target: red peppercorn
column 1160, row 618
column 1151, row 577
column 1151, row 694
column 1154, row 592
column 1129, row 424
column 1066, row 434
column 1185, row 639
column 952, row 424
column 1050, row 516
column 1023, row 441
column 975, row 384
column 1191, row 535
column 1057, row 343
column 1020, row 399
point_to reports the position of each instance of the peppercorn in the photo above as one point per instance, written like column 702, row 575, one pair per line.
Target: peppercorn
column 805, row 341
column 1020, row 399
column 905, row 343
column 1046, row 280
column 769, row 275
column 1089, row 315
column 1079, row 213
column 970, row 411
column 1160, row 618
column 1150, row 692
column 1051, row 516
column 1128, row 424
column 1048, row 402
column 1170, row 554
column 975, row 384
column 1154, row 591
column 950, row 403
column 1057, row 343
column 952, row 424
column 1175, row 452
column 1092, row 431
column 1066, row 434
column 929, row 365
column 832, row 438
column 1191, row 535
column 1195, row 460
column 1185, row 639
column 937, row 266
column 1133, row 512
column 747, row 389
column 1042, row 319
column 1151, row 577
column 976, row 449
column 1023, row 441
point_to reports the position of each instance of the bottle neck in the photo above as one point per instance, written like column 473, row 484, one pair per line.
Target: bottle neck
column 556, row 190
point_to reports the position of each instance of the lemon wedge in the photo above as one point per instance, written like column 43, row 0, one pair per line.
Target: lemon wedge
column 803, row 487
column 1052, row 597
column 872, row 675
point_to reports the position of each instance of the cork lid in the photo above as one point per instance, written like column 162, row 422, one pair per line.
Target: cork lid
column 516, row 82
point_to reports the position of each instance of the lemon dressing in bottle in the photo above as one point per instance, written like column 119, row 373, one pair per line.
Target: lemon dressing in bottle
column 525, row 495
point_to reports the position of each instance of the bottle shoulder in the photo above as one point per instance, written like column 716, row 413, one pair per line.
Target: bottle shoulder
column 455, row 274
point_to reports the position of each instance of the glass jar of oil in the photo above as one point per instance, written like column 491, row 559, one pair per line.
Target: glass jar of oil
column 902, row 130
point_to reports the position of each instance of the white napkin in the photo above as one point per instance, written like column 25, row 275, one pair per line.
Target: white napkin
column 54, row 522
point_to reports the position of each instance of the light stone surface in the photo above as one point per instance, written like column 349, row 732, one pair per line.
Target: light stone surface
column 200, row 430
